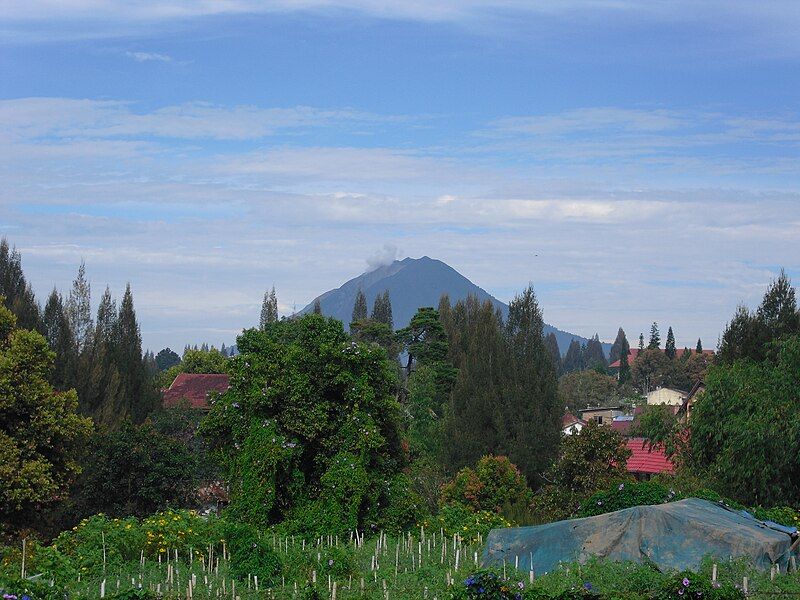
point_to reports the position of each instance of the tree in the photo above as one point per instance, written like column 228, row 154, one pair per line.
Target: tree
column 309, row 431
column 749, row 334
column 269, row 309
column 493, row 484
column 424, row 339
column 655, row 337
column 382, row 309
column 317, row 307
column 59, row 336
column 699, row 347
column 134, row 470
column 624, row 374
column 551, row 343
column 194, row 361
column 167, row 358
column 360, row 307
column 746, row 427
column 15, row 289
column 619, row 346
column 641, row 342
column 580, row 389
column 594, row 357
column 79, row 310
column 574, row 358
column 651, row 369
column 533, row 412
column 138, row 397
column 40, row 430
column 669, row 348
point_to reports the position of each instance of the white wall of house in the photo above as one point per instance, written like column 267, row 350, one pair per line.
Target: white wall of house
column 666, row 396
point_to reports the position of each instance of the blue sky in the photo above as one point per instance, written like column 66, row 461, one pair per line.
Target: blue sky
column 647, row 152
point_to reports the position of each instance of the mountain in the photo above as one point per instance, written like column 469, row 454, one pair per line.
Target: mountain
column 412, row 283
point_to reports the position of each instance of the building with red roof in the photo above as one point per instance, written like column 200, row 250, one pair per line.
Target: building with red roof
column 195, row 388
column 571, row 424
column 646, row 461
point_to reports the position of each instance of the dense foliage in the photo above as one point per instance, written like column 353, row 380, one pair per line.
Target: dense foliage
column 40, row 431
column 309, row 432
column 493, row 483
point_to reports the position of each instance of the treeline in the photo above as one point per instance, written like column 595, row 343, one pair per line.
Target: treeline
column 100, row 357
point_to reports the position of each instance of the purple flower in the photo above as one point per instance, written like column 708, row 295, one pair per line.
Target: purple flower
column 587, row 586
column 680, row 592
column 9, row 597
column 685, row 582
column 330, row 562
column 521, row 585
column 26, row 597
column 621, row 486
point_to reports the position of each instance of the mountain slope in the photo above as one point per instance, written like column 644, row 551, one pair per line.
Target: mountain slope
column 413, row 283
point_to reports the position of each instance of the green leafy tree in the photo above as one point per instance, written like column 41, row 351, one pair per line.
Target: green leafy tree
column 749, row 334
column 40, row 430
column 580, row 389
column 194, row 361
column 424, row 340
column 652, row 369
column 310, row 431
column 669, row 347
column 134, row 470
column 495, row 482
column 655, row 337
column 167, row 358
column 746, row 427
column 359, row 307
column 663, row 429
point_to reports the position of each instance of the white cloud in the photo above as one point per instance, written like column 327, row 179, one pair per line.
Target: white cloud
column 148, row 57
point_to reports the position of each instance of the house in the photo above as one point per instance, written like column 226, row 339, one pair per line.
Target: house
column 571, row 424
column 646, row 461
column 685, row 410
column 195, row 388
column 603, row 415
column 622, row 424
column 634, row 352
column 665, row 395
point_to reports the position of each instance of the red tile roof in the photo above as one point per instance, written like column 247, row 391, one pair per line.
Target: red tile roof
column 569, row 419
column 635, row 351
column 624, row 427
column 647, row 460
column 194, row 387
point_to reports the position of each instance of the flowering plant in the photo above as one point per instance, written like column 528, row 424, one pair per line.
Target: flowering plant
column 488, row 585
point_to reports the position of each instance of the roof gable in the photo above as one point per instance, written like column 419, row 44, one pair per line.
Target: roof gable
column 195, row 388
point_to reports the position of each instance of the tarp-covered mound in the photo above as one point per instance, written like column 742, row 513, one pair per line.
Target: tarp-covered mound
column 676, row 535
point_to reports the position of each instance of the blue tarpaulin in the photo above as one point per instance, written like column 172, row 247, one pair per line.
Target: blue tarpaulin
column 675, row 535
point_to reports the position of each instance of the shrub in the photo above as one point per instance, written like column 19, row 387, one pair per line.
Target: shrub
column 470, row 525
column 250, row 554
column 25, row 589
column 494, row 482
column 488, row 585
column 692, row 586
column 181, row 530
column 83, row 544
column 625, row 495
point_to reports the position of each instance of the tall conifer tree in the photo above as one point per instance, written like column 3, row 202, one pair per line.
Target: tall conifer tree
column 699, row 347
column 269, row 309
column 573, row 359
column 59, row 336
column 655, row 337
column 551, row 343
column 79, row 310
column 17, row 294
column 594, row 357
column 620, row 342
column 382, row 309
column 360, row 307
column 669, row 346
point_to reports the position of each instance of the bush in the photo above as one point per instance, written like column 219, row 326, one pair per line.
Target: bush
column 83, row 544
column 250, row 554
column 25, row 589
column 625, row 495
column 181, row 530
column 494, row 482
column 470, row 525
column 488, row 585
column 691, row 586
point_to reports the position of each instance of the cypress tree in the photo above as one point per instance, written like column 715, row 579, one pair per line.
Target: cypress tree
column 551, row 343
column 382, row 309
column 699, row 347
column 269, row 309
column 624, row 375
column 573, row 360
column 59, row 336
column 360, row 307
column 669, row 347
column 594, row 357
column 641, row 342
column 655, row 337
column 317, row 307
column 15, row 290
column 532, row 408
column 138, row 398
column 619, row 343
column 79, row 310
